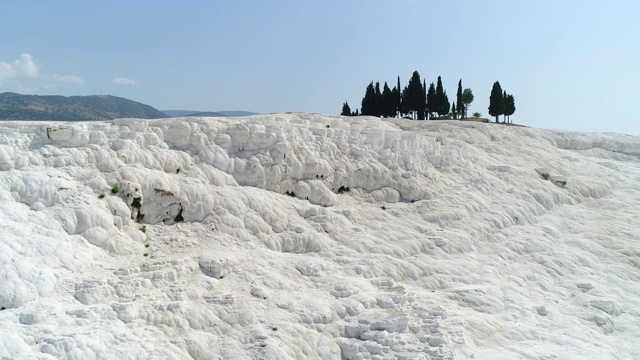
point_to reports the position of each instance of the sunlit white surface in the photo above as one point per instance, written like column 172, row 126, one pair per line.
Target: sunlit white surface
column 307, row 236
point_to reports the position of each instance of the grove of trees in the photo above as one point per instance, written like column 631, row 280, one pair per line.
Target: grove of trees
column 415, row 100
column 419, row 102
column 501, row 103
column 346, row 110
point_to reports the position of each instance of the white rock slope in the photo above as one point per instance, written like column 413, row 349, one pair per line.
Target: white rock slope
column 297, row 236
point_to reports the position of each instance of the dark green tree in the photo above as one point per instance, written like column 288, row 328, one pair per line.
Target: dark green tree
column 413, row 96
column 423, row 101
column 467, row 99
column 439, row 97
column 509, row 107
column 431, row 100
column 346, row 110
column 355, row 113
column 459, row 99
column 505, row 98
column 496, row 103
column 446, row 105
column 395, row 95
column 388, row 102
column 442, row 101
column 453, row 110
column 368, row 105
column 398, row 96
column 378, row 101
column 404, row 107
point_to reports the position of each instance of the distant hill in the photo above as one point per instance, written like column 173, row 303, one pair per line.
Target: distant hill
column 207, row 113
column 235, row 113
column 52, row 107
column 179, row 113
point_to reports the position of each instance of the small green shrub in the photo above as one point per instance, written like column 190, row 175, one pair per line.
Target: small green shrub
column 143, row 228
column 178, row 171
column 101, row 196
column 343, row 189
column 146, row 245
column 146, row 254
column 275, row 328
column 290, row 193
column 476, row 115
column 383, row 207
column 115, row 189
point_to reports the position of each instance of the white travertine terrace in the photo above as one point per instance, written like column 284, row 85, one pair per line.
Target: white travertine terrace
column 301, row 236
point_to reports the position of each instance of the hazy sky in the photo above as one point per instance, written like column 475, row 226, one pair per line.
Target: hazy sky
column 569, row 64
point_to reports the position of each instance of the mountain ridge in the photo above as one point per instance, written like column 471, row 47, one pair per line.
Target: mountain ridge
column 15, row 106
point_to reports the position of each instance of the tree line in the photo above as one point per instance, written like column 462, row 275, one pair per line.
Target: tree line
column 417, row 101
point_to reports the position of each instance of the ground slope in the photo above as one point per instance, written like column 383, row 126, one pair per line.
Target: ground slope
column 304, row 236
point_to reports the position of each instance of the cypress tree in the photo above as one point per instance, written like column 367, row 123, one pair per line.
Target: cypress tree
column 387, row 102
column 399, row 99
column 459, row 98
column 509, row 106
column 512, row 106
column 431, row 100
column 439, row 96
column 395, row 96
column 505, row 99
column 404, row 107
column 368, row 101
column 442, row 100
column 346, row 110
column 446, row 105
column 413, row 95
column 453, row 110
column 496, row 103
column 378, row 101
column 423, row 101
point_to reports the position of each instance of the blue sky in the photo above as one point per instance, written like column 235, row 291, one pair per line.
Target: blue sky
column 569, row 64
